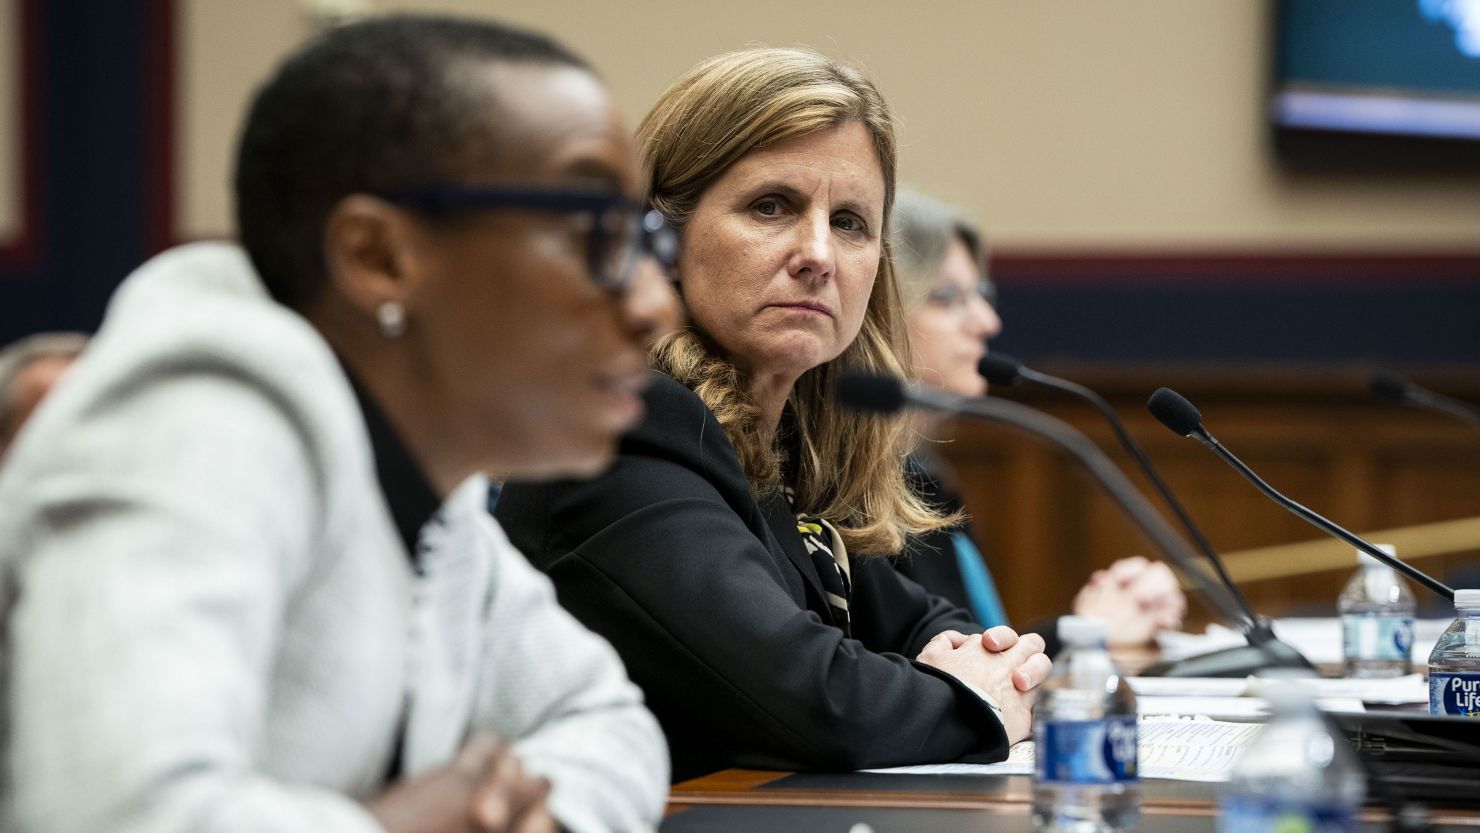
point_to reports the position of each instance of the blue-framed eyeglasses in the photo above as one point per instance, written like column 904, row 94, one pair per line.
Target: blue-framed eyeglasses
column 619, row 230
column 954, row 296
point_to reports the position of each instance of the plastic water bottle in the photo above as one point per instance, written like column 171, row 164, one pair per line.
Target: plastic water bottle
column 1376, row 620
column 1084, row 730
column 1454, row 665
column 1294, row 774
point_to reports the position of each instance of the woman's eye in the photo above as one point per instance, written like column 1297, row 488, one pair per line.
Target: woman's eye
column 947, row 296
column 768, row 208
column 848, row 222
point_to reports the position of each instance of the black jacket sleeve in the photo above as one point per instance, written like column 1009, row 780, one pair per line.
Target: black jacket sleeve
column 671, row 558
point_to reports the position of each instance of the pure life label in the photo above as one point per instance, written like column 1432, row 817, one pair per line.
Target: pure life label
column 1457, row 694
column 1371, row 636
column 1088, row 751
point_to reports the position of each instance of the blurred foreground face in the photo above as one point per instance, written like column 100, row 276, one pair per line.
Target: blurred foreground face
column 31, row 385
column 538, row 365
column 781, row 254
column 949, row 328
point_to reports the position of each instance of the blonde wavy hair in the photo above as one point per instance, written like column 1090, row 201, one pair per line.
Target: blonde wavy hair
column 850, row 466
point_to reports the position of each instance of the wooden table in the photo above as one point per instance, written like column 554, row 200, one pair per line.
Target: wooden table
column 780, row 802
column 738, row 800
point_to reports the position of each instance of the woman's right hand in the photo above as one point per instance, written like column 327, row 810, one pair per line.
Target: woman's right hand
column 1001, row 664
column 483, row 790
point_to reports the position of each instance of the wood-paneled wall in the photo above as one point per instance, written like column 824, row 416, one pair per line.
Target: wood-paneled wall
column 1314, row 433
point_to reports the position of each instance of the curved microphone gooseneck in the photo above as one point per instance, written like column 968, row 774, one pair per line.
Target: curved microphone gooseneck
column 1005, row 370
column 1393, row 388
column 1178, row 415
column 886, row 395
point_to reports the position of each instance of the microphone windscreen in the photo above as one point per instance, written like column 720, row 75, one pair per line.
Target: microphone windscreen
column 1000, row 369
column 870, row 392
column 1389, row 387
column 1174, row 411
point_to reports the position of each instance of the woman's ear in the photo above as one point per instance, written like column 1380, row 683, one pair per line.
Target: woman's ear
column 371, row 256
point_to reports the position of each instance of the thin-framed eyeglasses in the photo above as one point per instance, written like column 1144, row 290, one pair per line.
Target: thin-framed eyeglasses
column 619, row 230
column 955, row 297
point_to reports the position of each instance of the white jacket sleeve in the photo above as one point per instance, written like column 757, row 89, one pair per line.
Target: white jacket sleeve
column 561, row 693
column 150, row 547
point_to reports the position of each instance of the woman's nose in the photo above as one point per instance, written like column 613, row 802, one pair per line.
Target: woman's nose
column 982, row 318
column 650, row 308
column 813, row 255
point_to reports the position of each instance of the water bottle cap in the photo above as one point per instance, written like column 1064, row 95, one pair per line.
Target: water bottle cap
column 1083, row 630
column 1467, row 599
column 1368, row 561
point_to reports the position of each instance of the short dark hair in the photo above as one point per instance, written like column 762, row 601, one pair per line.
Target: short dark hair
column 367, row 107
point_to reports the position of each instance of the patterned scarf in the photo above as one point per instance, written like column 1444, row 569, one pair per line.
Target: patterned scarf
column 830, row 558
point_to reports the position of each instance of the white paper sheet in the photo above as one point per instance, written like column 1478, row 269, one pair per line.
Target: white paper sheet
column 1188, row 686
column 1319, row 639
column 1191, row 750
column 1019, row 762
column 1232, row 708
column 1392, row 690
column 1168, row 748
column 1218, row 708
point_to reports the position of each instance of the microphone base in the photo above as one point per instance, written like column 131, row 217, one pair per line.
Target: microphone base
column 1240, row 661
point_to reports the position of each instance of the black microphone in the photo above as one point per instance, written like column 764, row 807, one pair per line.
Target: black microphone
column 1179, row 415
column 883, row 394
column 1006, row 370
column 1391, row 387
column 1000, row 369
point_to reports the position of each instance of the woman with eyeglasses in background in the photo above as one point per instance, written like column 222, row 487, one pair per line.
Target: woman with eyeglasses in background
column 949, row 304
column 249, row 581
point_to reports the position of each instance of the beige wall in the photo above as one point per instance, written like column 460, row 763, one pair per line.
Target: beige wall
column 224, row 50
column 1065, row 125
column 10, row 122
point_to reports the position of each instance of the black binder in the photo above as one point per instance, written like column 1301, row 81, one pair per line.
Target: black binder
column 1416, row 757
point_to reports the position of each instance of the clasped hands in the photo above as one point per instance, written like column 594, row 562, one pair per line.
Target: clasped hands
column 483, row 790
column 999, row 662
column 1137, row 596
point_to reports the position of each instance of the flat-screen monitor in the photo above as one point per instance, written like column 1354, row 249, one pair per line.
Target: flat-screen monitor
column 1377, row 81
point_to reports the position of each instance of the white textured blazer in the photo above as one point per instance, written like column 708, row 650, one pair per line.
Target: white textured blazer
column 210, row 622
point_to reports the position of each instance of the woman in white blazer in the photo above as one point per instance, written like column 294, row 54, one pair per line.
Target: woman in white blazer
column 248, row 578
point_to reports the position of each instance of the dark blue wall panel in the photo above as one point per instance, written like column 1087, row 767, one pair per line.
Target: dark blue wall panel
column 1404, row 322
column 92, row 99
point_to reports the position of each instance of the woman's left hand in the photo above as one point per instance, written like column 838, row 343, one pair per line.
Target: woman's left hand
column 1137, row 596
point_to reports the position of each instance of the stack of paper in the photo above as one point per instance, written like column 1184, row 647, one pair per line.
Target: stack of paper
column 1169, row 748
column 1318, row 639
column 1225, row 697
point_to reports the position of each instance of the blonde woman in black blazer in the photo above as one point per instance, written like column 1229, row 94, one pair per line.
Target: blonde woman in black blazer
column 715, row 555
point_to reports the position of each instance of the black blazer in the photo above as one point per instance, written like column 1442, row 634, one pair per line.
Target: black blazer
column 930, row 559
column 713, row 603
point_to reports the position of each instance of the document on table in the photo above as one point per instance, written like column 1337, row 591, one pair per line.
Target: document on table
column 1019, row 762
column 1189, row 686
column 1318, row 639
column 1169, row 748
column 1233, row 708
column 1330, row 694
column 1190, row 750
column 1411, row 688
